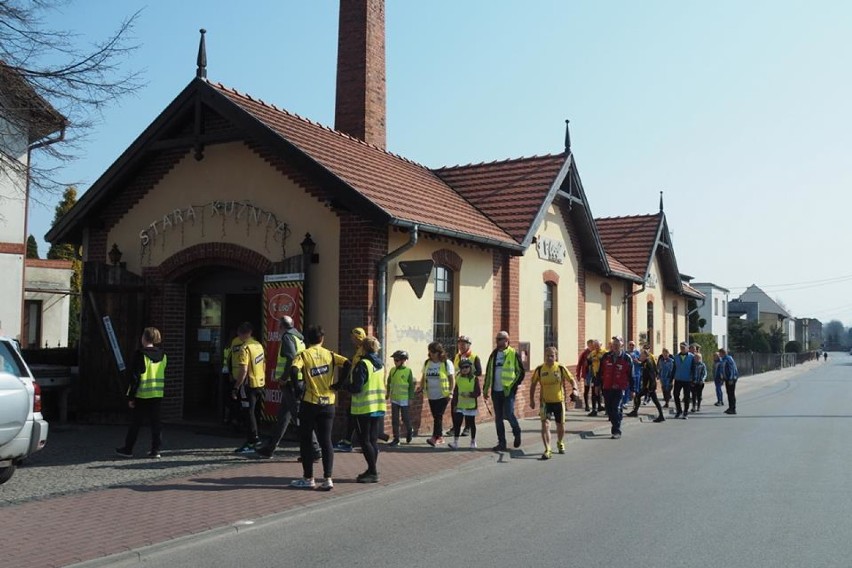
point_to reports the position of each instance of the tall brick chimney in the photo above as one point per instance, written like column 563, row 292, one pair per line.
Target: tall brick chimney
column 360, row 106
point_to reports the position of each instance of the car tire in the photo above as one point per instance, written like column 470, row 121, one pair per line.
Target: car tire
column 6, row 473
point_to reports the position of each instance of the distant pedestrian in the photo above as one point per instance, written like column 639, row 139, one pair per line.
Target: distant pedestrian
column 555, row 379
column 581, row 372
column 465, row 402
column 616, row 372
column 145, row 393
column 503, row 374
column 730, row 376
column 400, row 389
column 636, row 380
column 665, row 370
column 437, row 381
column 699, row 376
column 649, row 385
column 717, row 379
column 683, row 378
column 825, row 356
column 250, row 379
column 594, row 377
column 368, row 405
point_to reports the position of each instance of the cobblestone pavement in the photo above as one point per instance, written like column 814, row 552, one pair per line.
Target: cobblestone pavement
column 75, row 502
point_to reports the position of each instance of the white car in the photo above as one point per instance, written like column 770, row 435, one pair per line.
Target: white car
column 23, row 430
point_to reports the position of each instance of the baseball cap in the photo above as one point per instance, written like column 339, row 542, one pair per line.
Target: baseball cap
column 465, row 363
column 617, row 338
column 464, row 338
column 359, row 333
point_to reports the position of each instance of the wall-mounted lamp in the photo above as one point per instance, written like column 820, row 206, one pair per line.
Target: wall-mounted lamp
column 308, row 248
column 114, row 255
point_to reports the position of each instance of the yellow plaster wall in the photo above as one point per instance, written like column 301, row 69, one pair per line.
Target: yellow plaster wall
column 410, row 319
column 232, row 172
column 659, row 297
column 596, row 308
column 531, row 294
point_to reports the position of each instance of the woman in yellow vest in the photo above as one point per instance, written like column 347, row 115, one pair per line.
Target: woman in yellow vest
column 146, row 392
column 368, row 405
column 437, row 379
column 465, row 397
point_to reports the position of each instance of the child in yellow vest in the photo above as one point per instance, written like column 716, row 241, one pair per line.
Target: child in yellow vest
column 554, row 378
column 465, row 399
column 400, row 391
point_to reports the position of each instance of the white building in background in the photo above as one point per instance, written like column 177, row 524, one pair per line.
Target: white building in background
column 47, row 303
column 27, row 122
column 714, row 311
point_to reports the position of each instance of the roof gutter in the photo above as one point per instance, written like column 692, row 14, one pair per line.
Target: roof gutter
column 382, row 320
column 48, row 141
column 514, row 247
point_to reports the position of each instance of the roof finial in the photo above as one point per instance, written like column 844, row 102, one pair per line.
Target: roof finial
column 661, row 202
column 567, row 136
column 201, row 72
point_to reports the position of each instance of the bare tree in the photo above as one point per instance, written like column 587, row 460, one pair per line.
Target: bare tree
column 53, row 86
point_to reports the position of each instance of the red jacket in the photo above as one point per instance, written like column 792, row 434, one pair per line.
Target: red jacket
column 616, row 370
column 583, row 364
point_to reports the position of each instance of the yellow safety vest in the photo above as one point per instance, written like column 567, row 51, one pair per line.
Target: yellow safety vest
column 444, row 376
column 509, row 372
column 469, row 357
column 282, row 366
column 372, row 396
column 466, row 386
column 401, row 383
column 153, row 379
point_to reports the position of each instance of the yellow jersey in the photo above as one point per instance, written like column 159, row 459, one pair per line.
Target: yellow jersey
column 552, row 378
column 317, row 364
column 251, row 354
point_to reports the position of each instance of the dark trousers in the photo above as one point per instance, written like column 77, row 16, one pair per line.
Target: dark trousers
column 288, row 413
column 145, row 409
column 667, row 393
column 697, row 394
column 316, row 420
column 731, row 387
column 654, row 399
column 396, row 411
column 469, row 422
column 686, row 388
column 504, row 409
column 612, row 403
column 438, row 406
column 255, row 401
column 368, row 434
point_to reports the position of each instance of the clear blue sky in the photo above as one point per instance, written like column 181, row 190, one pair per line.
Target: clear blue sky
column 740, row 111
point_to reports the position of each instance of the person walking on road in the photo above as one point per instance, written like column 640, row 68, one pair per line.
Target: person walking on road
column 581, row 371
column 465, row 401
column 250, row 379
column 464, row 352
column 368, row 405
column 682, row 371
column 717, row 379
column 401, row 384
column 665, row 369
column 636, row 380
column 313, row 372
column 292, row 343
column 554, row 379
column 649, row 386
column 503, row 374
column 145, row 393
column 699, row 376
column 437, row 380
column 730, row 376
column 616, row 373
column 594, row 368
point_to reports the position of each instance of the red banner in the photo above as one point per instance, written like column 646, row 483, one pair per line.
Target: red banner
column 282, row 296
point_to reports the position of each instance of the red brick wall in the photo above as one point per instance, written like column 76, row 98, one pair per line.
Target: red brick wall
column 360, row 106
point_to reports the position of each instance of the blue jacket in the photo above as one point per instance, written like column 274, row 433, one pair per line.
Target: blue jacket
column 699, row 372
column 683, row 365
column 729, row 368
column 717, row 371
column 637, row 365
column 665, row 368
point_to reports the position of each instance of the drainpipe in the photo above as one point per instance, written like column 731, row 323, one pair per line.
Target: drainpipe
column 624, row 309
column 382, row 266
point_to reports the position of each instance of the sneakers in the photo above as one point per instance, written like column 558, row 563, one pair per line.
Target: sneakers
column 560, row 447
column 546, row 455
column 633, row 414
column 517, row 443
column 367, row 478
column 303, row 483
column 125, row 453
column 454, row 445
column 718, row 403
column 438, row 441
column 677, row 415
column 154, row 455
column 660, row 418
column 730, row 411
column 408, row 437
column 616, row 436
column 473, row 444
column 263, row 453
column 465, row 432
column 394, row 443
column 684, row 417
column 431, row 441
column 592, row 413
column 327, row 485
column 499, row 448
column 247, row 448
column 343, row 446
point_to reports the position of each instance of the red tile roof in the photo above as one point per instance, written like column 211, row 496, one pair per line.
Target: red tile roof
column 630, row 239
column 619, row 269
column 509, row 192
column 403, row 189
column 690, row 291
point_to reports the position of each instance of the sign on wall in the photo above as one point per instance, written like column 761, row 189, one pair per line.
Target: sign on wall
column 550, row 249
column 282, row 296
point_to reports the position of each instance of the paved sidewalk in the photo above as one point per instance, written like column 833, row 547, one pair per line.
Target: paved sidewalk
column 225, row 492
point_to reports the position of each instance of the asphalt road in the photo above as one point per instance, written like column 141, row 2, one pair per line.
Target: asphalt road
column 768, row 487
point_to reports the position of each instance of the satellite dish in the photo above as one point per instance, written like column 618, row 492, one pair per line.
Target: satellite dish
column 417, row 272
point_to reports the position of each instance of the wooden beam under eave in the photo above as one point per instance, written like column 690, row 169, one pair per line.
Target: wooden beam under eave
column 191, row 141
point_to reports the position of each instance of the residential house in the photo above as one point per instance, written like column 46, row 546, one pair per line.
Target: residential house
column 714, row 310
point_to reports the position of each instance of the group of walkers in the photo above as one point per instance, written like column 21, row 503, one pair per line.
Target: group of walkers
column 310, row 378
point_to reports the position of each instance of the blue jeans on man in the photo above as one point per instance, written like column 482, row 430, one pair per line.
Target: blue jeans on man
column 504, row 409
column 612, row 403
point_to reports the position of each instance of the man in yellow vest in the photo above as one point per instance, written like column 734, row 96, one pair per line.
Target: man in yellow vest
column 251, row 378
column 368, row 405
column 503, row 373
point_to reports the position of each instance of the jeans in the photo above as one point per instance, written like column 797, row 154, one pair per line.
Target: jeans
column 719, row 383
column 612, row 403
column 368, row 434
column 288, row 412
column 686, row 388
column 731, row 387
column 145, row 409
column 396, row 411
column 504, row 409
column 438, row 407
column 314, row 418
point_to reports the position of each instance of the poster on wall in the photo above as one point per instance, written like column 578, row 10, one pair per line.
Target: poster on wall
column 282, row 296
